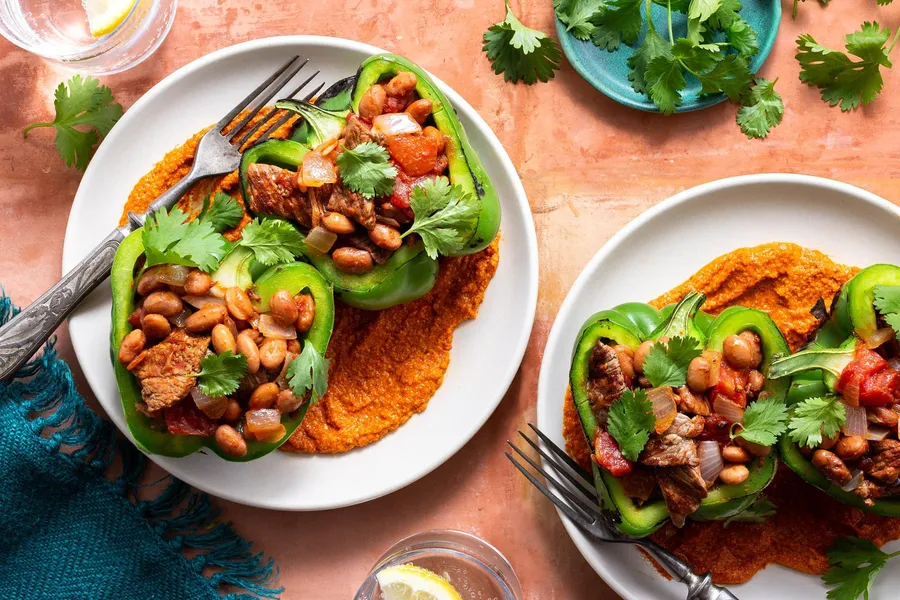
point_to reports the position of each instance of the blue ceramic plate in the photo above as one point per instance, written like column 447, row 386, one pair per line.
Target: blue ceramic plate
column 608, row 71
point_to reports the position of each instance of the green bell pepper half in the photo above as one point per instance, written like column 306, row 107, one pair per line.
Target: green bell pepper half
column 631, row 324
column 148, row 437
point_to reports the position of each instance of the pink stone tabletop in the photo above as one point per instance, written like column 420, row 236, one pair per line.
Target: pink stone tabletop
column 589, row 166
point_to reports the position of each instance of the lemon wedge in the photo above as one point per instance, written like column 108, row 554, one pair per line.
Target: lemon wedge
column 409, row 582
column 105, row 15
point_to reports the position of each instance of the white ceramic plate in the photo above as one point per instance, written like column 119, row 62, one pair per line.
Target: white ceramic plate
column 486, row 352
column 665, row 246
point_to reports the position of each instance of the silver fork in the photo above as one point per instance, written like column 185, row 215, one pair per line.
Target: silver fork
column 574, row 495
column 218, row 153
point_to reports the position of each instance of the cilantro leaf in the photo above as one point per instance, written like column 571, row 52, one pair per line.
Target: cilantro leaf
column 887, row 301
column 442, row 212
column 702, row 10
column 843, row 81
column 731, row 76
column 755, row 513
column 761, row 109
column 854, row 563
column 520, row 53
column 665, row 80
column 169, row 238
column 667, row 365
column 630, row 422
column 81, row 101
column 815, row 416
column 366, row 169
column 576, row 15
column 309, row 372
column 272, row 241
column 764, row 421
column 742, row 37
column 652, row 46
column 621, row 21
column 221, row 374
column 223, row 214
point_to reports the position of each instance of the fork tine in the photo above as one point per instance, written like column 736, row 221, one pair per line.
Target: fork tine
column 567, row 510
column 284, row 119
column 575, row 480
column 287, row 116
column 243, row 103
column 260, row 101
column 562, row 454
column 560, row 486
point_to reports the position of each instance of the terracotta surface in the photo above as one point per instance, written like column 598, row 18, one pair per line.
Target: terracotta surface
column 589, row 166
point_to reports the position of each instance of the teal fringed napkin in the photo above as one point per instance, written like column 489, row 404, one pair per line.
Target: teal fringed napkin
column 69, row 530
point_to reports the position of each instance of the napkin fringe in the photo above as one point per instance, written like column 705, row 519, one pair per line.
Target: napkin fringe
column 184, row 518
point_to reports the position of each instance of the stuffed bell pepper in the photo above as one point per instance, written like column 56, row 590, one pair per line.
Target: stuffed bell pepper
column 845, row 400
column 382, row 179
column 678, row 409
column 213, row 347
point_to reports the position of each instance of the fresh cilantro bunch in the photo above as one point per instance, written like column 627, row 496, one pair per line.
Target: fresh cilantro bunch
column 170, row 238
column 716, row 50
column 272, row 241
column 222, row 212
column 309, row 373
column 520, row 53
column 887, row 301
column 764, row 422
column 366, row 170
column 815, row 417
column 630, row 422
column 842, row 80
column 442, row 214
column 221, row 374
column 854, row 563
column 85, row 112
column 667, row 364
column 755, row 513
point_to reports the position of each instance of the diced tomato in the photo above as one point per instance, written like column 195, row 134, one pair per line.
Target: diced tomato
column 716, row 428
column 878, row 389
column 608, row 455
column 415, row 153
column 393, row 104
column 185, row 418
column 870, row 372
column 403, row 187
column 732, row 384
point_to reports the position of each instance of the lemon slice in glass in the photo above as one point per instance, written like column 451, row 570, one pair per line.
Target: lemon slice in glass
column 105, row 15
column 409, row 582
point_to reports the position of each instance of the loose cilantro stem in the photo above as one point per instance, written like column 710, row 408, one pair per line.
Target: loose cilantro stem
column 794, row 10
column 669, row 17
column 894, row 41
column 35, row 125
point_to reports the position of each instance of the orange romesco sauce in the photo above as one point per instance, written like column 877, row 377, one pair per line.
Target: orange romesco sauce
column 385, row 365
column 785, row 280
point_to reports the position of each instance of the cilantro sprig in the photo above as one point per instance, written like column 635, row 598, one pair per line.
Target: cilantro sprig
column 523, row 54
column 221, row 374
column 366, row 170
column 442, row 214
column 222, row 212
column 854, row 563
column 630, row 422
column 272, row 241
column 85, row 112
column 169, row 238
column 755, row 513
column 814, row 417
column 887, row 301
column 309, row 373
column 667, row 364
column 764, row 422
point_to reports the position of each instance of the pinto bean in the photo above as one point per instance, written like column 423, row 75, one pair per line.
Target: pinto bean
column 156, row 327
column 828, row 443
column 640, row 355
column 272, row 353
column 753, row 448
column 230, row 441
column 625, row 355
column 132, row 345
column 306, row 312
column 246, row 346
column 287, row 402
column 734, row 474
column 419, row 110
column 831, row 466
column 232, row 412
column 338, row 223
column 222, row 339
column 738, row 352
column 293, row 347
column 735, row 454
column 206, row 318
column 401, row 84
column 436, row 137
column 851, row 447
column 197, row 283
column 283, row 307
column 755, row 346
column 756, row 381
column 372, row 102
column 149, row 283
column 698, row 374
column 166, row 304
column 385, row 236
column 238, row 303
column 264, row 396
column 352, row 260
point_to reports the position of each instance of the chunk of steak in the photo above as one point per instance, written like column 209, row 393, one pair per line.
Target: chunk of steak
column 358, row 132
column 885, row 464
column 687, row 427
column 352, row 205
column 164, row 370
column 683, row 488
column 274, row 191
column 606, row 383
column 692, row 403
column 670, row 450
column 363, row 242
column 639, row 484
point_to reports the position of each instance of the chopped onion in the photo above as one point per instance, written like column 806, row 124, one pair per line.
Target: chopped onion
column 664, row 408
column 181, row 318
column 201, row 301
column 881, row 336
column 710, row 459
column 856, row 424
column 321, row 239
column 281, row 380
column 728, row 409
column 317, row 170
column 274, row 436
column 271, row 328
column 170, row 274
column 877, row 433
column 212, row 407
column 894, row 363
column 263, row 421
column 850, row 393
column 395, row 124
column 855, row 479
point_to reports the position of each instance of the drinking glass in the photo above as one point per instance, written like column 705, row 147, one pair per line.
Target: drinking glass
column 473, row 567
column 57, row 30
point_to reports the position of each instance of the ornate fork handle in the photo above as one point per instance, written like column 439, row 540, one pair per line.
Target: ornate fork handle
column 700, row 587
